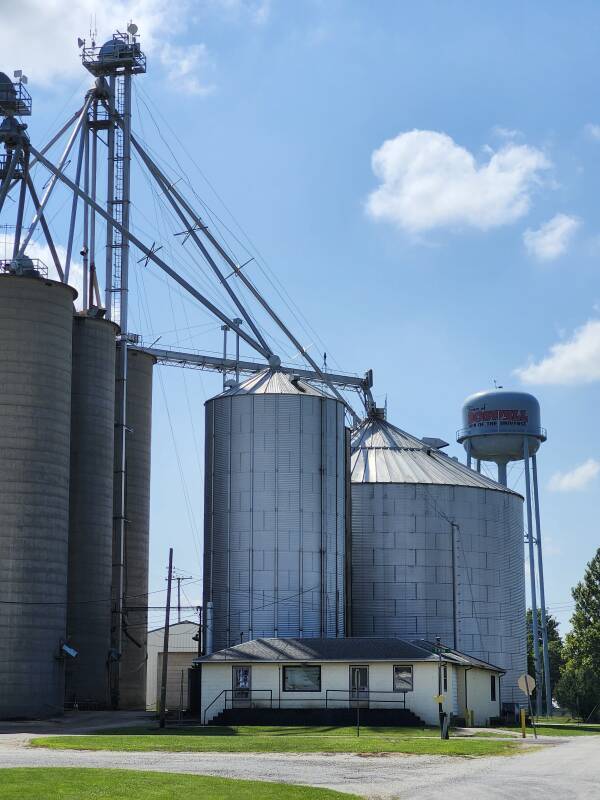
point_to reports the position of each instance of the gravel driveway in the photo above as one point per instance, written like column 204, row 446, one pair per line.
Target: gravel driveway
column 569, row 770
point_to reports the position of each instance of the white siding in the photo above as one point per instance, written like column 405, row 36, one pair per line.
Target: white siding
column 217, row 677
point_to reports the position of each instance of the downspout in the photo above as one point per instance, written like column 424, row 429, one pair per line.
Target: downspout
column 466, row 691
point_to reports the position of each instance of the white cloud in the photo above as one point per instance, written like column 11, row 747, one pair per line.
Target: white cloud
column 576, row 361
column 184, row 65
column 552, row 239
column 592, row 130
column 46, row 48
column 428, row 181
column 505, row 133
column 576, row 479
column 257, row 11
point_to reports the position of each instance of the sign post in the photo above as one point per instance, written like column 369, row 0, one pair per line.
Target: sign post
column 527, row 684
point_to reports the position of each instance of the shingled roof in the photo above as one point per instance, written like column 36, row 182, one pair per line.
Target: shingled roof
column 274, row 650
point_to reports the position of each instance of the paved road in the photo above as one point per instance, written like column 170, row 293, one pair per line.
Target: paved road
column 566, row 771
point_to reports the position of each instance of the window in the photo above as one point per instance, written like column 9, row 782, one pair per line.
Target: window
column 445, row 678
column 302, row 679
column 403, row 678
column 492, row 687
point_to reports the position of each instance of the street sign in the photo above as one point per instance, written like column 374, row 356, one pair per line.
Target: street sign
column 526, row 683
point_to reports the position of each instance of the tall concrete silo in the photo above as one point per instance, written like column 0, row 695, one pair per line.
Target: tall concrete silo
column 274, row 522
column 36, row 317
column 437, row 550
column 132, row 681
column 91, row 510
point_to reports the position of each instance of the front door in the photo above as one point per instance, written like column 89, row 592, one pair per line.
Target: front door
column 242, row 678
column 359, row 687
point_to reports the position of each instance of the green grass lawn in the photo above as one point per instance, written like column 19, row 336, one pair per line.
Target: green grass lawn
column 247, row 739
column 118, row 784
column 563, row 729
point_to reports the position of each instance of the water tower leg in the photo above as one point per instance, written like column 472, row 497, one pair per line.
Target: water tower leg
column 502, row 474
column 478, row 465
column 540, row 565
column 534, row 615
column 469, row 454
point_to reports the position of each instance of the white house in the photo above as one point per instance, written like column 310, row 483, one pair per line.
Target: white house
column 183, row 648
column 388, row 675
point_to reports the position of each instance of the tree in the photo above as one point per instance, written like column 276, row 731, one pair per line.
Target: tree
column 555, row 647
column 579, row 686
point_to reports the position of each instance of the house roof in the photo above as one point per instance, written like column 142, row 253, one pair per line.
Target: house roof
column 349, row 649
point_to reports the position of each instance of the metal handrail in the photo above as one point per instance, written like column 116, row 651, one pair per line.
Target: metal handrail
column 222, row 692
column 230, row 692
column 499, row 427
column 368, row 694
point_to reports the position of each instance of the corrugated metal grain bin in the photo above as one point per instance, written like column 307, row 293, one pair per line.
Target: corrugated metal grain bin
column 274, row 511
column 437, row 550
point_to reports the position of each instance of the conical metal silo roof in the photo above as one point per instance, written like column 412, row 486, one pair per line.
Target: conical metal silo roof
column 270, row 381
column 382, row 453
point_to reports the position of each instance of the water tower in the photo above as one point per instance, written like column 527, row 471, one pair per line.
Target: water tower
column 503, row 426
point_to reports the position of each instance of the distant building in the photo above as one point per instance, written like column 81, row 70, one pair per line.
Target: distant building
column 403, row 681
column 183, row 649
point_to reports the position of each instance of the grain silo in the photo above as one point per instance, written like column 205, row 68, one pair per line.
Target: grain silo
column 437, row 550
column 132, row 685
column 274, row 519
column 36, row 317
column 91, row 510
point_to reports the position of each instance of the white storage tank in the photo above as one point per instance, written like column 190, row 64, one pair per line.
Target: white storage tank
column 274, row 512
column 437, row 550
column 36, row 317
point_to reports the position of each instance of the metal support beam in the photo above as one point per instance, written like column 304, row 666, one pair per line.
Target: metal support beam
column 147, row 251
column 6, row 183
column 216, row 364
column 46, row 229
column 21, row 206
column 203, row 228
column 540, row 566
column 110, row 196
column 534, row 616
column 57, row 173
column 167, row 190
column 74, row 202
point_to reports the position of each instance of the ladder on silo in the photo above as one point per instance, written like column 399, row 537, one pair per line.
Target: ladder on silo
column 117, row 204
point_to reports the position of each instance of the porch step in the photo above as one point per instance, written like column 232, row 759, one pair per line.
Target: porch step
column 383, row 717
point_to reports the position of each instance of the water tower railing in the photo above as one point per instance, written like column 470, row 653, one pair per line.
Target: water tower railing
column 491, row 429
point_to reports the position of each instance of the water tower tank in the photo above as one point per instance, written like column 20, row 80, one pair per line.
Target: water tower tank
column 36, row 318
column 274, row 535
column 494, row 424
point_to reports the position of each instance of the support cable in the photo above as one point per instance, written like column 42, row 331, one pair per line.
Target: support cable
column 152, row 255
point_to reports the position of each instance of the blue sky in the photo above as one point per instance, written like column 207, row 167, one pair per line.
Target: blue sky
column 462, row 251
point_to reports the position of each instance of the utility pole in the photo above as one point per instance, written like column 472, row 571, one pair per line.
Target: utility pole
column 165, row 663
column 180, row 578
